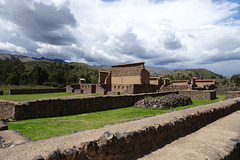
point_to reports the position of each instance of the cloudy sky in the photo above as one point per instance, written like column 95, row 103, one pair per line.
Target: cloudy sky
column 166, row 34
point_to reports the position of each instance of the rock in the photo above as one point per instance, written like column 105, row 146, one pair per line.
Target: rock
column 38, row 157
column 54, row 155
column 3, row 126
column 168, row 101
column 11, row 138
column 72, row 132
column 91, row 148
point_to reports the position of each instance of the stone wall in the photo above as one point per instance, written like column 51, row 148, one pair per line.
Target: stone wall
column 102, row 88
column 88, row 88
column 174, row 87
column 102, row 75
column 72, row 88
column 63, row 107
column 133, row 144
column 145, row 77
column 133, row 69
column 235, row 154
column 1, row 92
column 200, row 94
column 223, row 89
column 7, row 109
column 35, row 91
column 232, row 94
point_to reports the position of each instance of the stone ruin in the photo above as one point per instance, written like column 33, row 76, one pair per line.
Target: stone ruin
column 167, row 101
column 192, row 84
column 133, row 78
column 124, row 78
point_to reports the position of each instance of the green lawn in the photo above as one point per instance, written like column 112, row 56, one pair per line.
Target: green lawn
column 43, row 128
column 6, row 88
column 27, row 97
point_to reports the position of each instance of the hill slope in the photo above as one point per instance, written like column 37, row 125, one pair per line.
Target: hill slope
column 90, row 73
column 188, row 73
column 22, row 58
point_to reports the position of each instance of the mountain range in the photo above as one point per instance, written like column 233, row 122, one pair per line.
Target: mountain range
column 201, row 73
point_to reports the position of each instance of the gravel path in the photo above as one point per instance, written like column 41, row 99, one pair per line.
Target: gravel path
column 214, row 142
column 43, row 147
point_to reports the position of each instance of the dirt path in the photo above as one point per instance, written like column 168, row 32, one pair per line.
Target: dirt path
column 214, row 142
column 43, row 147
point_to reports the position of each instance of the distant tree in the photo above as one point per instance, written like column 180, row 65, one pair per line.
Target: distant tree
column 10, row 70
column 39, row 75
column 236, row 79
column 213, row 77
column 13, row 78
column 58, row 76
column 224, row 82
column 72, row 79
column 24, row 79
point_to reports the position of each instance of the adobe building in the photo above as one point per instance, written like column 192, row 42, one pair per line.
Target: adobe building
column 129, row 78
column 192, row 84
column 133, row 78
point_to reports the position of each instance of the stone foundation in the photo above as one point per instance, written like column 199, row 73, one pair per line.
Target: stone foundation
column 128, row 145
column 63, row 107
column 232, row 94
column 200, row 94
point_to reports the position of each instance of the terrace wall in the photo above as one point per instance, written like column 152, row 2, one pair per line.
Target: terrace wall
column 232, row 94
column 7, row 109
column 132, row 144
column 174, row 87
column 200, row 94
column 34, row 91
column 63, row 107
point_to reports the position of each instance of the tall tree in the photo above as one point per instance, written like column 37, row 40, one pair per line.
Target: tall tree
column 236, row 79
column 39, row 75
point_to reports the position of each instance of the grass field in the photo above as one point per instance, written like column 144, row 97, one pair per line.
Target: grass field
column 27, row 97
column 6, row 88
column 43, row 128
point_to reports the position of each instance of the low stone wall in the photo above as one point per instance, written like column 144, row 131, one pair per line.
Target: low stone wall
column 88, row 88
column 223, row 89
column 200, row 94
column 35, row 91
column 72, row 88
column 7, row 109
column 235, row 154
column 232, row 94
column 174, row 87
column 63, row 107
column 1, row 92
column 128, row 145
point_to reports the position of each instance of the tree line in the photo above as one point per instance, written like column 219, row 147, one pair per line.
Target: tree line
column 14, row 72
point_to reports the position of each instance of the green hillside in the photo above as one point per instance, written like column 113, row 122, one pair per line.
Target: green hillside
column 16, row 70
column 22, row 58
column 157, row 72
column 188, row 73
column 23, row 70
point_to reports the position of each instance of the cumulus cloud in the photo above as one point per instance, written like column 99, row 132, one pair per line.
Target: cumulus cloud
column 41, row 21
column 9, row 47
column 168, row 34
